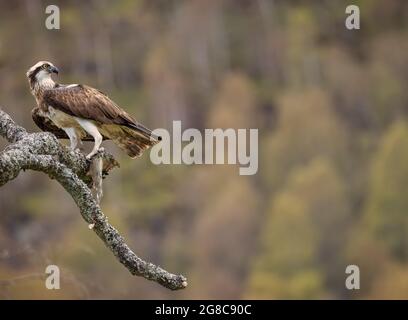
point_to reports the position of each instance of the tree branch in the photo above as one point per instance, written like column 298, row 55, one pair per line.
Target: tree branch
column 42, row 152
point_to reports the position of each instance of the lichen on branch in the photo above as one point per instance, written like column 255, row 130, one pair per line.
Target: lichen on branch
column 42, row 152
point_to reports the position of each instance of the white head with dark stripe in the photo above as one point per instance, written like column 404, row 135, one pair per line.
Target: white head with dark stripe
column 39, row 75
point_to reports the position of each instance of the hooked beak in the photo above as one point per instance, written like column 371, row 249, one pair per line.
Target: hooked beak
column 53, row 69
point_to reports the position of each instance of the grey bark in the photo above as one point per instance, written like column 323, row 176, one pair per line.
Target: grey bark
column 42, row 152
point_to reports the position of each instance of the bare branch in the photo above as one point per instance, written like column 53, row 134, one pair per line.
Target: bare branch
column 42, row 152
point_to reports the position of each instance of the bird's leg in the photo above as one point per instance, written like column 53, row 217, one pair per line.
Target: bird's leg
column 73, row 138
column 98, row 141
column 91, row 129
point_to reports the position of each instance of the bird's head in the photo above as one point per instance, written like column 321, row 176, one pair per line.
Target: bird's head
column 40, row 73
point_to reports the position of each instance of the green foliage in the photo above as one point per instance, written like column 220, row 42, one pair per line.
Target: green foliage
column 387, row 203
column 306, row 128
column 306, row 226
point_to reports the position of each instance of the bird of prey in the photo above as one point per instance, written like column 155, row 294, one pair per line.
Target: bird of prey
column 82, row 112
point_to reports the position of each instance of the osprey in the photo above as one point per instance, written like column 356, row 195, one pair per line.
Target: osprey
column 83, row 112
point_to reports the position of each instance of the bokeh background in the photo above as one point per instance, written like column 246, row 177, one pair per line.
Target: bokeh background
column 331, row 106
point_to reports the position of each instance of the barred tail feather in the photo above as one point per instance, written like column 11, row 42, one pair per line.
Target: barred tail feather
column 135, row 142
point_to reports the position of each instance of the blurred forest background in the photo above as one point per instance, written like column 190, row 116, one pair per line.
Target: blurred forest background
column 331, row 106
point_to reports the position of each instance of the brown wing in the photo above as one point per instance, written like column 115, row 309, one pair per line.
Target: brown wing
column 89, row 103
column 127, row 139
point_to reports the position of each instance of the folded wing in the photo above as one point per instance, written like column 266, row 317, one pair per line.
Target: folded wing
column 88, row 103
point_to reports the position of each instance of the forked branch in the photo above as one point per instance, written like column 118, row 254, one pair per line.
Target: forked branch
column 42, row 152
